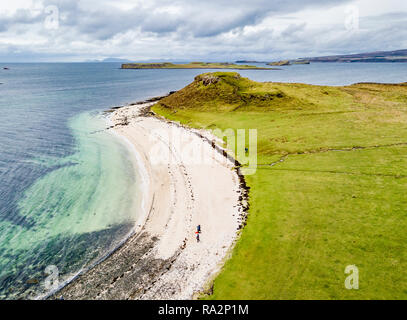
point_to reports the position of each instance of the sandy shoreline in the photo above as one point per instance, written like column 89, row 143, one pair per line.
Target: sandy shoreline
column 188, row 182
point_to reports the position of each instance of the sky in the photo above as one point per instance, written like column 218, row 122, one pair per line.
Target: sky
column 186, row 30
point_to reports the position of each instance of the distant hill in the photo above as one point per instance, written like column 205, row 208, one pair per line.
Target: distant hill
column 378, row 56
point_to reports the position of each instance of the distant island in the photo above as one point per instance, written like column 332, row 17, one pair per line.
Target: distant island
column 249, row 61
column 192, row 65
column 288, row 62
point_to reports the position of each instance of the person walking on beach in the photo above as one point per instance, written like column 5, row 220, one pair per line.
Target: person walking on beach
column 198, row 228
column 197, row 237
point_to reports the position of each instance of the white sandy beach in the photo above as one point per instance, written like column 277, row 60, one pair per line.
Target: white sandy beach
column 182, row 192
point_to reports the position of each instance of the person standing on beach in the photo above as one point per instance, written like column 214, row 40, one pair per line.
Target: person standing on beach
column 197, row 237
column 198, row 228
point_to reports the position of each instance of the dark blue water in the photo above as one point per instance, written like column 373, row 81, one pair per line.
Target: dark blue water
column 47, row 113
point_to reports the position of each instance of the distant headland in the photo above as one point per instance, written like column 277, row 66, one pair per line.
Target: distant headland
column 192, row 65
column 378, row 56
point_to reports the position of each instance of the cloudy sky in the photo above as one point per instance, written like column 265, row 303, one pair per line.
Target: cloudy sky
column 218, row 30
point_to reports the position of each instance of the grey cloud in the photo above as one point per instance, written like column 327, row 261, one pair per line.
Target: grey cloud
column 200, row 19
column 293, row 29
column 21, row 16
column 198, row 29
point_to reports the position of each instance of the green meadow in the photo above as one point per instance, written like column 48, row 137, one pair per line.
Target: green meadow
column 330, row 188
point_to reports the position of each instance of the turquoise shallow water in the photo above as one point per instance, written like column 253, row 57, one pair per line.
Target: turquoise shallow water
column 75, row 213
column 67, row 191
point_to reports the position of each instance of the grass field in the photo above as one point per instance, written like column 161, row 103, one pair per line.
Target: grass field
column 329, row 191
column 191, row 65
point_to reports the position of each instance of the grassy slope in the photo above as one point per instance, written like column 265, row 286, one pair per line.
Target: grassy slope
column 192, row 65
column 320, row 209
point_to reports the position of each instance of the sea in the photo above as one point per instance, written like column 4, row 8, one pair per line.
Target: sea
column 68, row 186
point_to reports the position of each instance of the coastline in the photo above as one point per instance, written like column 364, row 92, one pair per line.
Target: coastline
column 162, row 259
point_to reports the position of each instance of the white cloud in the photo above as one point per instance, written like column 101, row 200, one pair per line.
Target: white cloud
column 185, row 29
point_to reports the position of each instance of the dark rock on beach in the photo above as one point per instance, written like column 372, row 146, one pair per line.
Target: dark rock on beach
column 126, row 274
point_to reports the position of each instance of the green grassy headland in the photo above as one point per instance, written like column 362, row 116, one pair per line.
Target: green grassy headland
column 338, row 196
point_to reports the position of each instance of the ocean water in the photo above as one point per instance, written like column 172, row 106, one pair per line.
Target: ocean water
column 67, row 192
column 336, row 74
